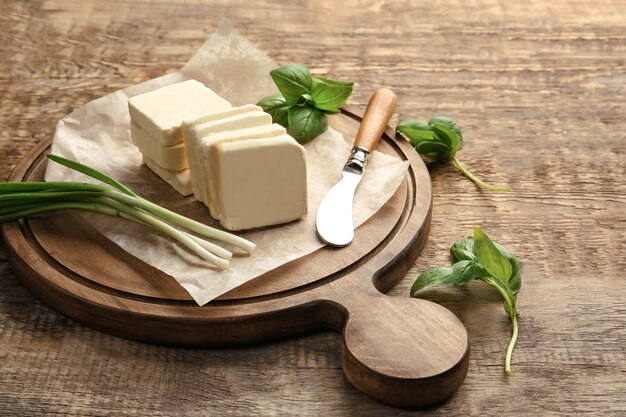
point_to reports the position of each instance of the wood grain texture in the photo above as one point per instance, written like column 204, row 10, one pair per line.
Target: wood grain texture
column 538, row 88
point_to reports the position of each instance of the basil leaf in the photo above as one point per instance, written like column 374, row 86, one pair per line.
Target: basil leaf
column 451, row 124
column 320, row 80
column 292, row 81
column 333, row 111
column 415, row 131
column 463, row 250
column 277, row 107
column 490, row 257
column 479, row 257
column 329, row 94
column 446, row 132
column 432, row 276
column 459, row 274
column 433, row 149
column 306, row 123
column 448, row 129
column 465, row 271
column 515, row 282
column 305, row 101
column 425, row 139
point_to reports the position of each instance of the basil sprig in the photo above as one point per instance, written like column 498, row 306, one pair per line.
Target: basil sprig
column 304, row 101
column 479, row 257
column 441, row 138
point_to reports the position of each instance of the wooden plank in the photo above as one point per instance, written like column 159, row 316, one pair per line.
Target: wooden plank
column 538, row 88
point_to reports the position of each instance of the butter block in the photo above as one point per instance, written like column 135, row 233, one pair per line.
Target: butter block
column 161, row 112
column 172, row 158
column 261, row 182
column 179, row 180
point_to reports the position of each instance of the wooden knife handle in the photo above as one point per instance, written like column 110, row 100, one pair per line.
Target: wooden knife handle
column 379, row 110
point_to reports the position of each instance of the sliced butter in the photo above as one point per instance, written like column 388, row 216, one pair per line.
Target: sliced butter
column 261, row 182
column 161, row 112
column 195, row 131
column 179, row 180
column 237, row 121
column 211, row 155
column 246, row 108
column 173, row 158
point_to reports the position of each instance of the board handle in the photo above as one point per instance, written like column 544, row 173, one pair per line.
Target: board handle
column 379, row 110
column 404, row 352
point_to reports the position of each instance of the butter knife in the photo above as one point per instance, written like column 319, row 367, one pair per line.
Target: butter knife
column 334, row 215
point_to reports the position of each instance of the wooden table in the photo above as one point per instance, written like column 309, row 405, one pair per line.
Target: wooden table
column 540, row 90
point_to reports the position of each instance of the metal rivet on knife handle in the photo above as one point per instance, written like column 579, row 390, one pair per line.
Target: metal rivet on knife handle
column 379, row 110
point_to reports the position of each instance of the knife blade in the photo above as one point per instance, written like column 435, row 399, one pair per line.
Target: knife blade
column 334, row 216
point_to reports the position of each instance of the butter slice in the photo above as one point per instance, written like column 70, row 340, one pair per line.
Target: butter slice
column 246, row 108
column 209, row 152
column 262, row 182
column 179, row 180
column 161, row 112
column 172, row 158
column 237, row 121
column 192, row 138
column 195, row 131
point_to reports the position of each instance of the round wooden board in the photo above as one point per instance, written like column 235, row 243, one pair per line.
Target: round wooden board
column 404, row 352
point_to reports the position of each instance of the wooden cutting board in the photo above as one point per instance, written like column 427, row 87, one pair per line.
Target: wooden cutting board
column 401, row 351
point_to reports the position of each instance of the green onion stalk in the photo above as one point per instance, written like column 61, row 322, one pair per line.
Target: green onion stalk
column 24, row 199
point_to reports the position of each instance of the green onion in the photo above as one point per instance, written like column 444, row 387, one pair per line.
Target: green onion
column 24, row 199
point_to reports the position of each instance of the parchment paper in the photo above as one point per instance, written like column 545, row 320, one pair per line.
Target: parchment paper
column 98, row 134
